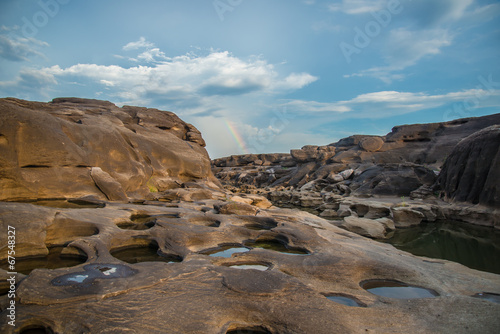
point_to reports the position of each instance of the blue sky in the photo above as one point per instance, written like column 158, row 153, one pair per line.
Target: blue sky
column 261, row 75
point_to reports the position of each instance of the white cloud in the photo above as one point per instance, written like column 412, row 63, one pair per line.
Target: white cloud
column 140, row 44
column 391, row 103
column 16, row 48
column 187, row 77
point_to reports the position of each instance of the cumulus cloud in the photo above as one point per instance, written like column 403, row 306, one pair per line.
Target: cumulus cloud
column 16, row 48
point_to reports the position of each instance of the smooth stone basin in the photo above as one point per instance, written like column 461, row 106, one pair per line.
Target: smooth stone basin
column 492, row 297
column 92, row 272
column 277, row 246
column 397, row 290
column 148, row 253
column 138, row 223
column 250, row 266
column 55, row 259
column 344, row 300
column 227, row 251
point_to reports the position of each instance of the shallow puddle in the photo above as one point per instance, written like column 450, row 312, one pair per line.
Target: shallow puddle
column 92, row 272
column 250, row 266
column 227, row 251
column 53, row 260
column 148, row 253
column 277, row 246
column 397, row 290
column 344, row 301
column 492, row 297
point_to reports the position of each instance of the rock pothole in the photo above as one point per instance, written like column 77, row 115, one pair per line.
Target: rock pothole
column 397, row 290
column 58, row 257
column 144, row 253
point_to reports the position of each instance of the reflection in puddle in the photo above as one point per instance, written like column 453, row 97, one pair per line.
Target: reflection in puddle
column 77, row 278
column 277, row 246
column 250, row 266
column 492, row 297
column 227, row 251
column 397, row 290
column 344, row 300
column 148, row 253
column 476, row 247
column 55, row 259
column 92, row 272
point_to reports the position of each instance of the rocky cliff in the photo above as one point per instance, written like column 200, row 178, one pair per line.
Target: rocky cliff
column 72, row 147
column 471, row 172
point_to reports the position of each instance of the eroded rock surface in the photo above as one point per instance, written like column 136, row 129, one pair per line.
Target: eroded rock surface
column 72, row 147
column 205, row 294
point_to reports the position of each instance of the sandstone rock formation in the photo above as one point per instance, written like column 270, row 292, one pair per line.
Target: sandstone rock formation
column 128, row 232
column 403, row 164
column 148, row 269
column 77, row 147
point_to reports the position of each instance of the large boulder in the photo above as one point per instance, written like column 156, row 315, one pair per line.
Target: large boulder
column 472, row 171
column 77, row 147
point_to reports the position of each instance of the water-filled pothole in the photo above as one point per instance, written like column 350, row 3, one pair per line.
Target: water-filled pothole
column 92, row 272
column 277, row 246
column 55, row 259
column 397, row 290
column 244, row 266
column 344, row 300
column 147, row 253
column 247, row 330
column 226, row 251
column 70, row 204
column 492, row 297
column 36, row 330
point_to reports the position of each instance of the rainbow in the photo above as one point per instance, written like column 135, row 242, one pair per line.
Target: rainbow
column 237, row 137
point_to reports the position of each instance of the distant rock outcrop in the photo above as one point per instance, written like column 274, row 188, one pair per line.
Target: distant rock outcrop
column 472, row 171
column 75, row 147
column 404, row 163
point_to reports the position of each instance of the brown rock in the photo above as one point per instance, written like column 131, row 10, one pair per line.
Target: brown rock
column 47, row 149
column 371, row 144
